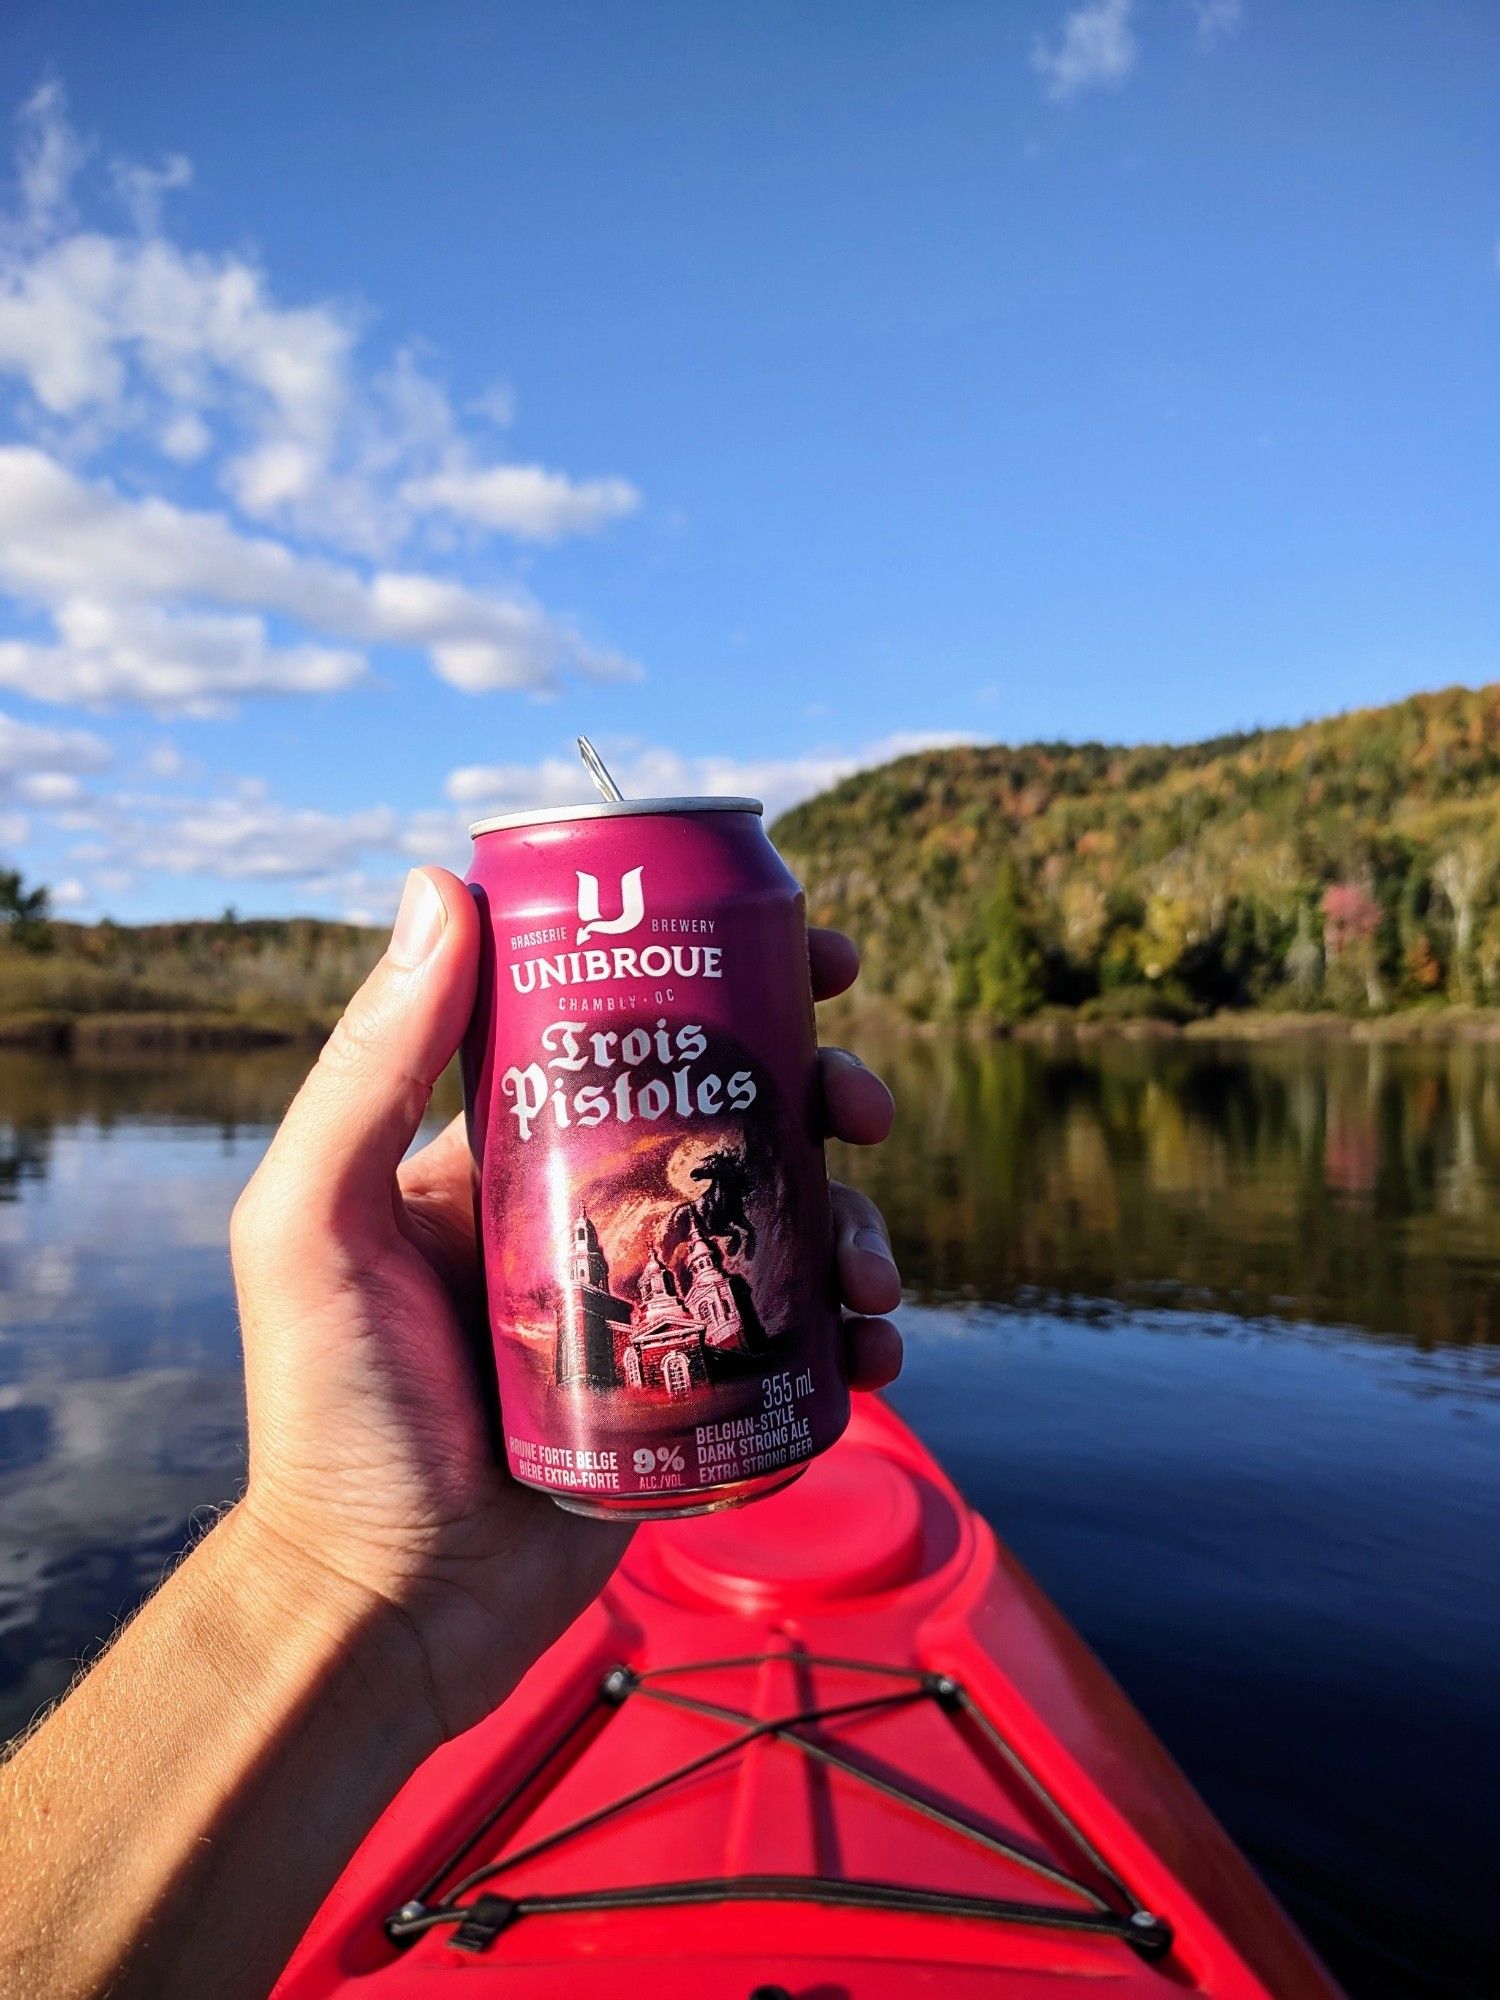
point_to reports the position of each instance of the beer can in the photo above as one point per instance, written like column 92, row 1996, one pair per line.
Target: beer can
column 644, row 1107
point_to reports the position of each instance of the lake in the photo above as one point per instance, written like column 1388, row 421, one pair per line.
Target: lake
column 1206, row 1331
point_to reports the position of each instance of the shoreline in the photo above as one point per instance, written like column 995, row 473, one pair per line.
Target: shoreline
column 1425, row 1026
column 116, row 1033
column 64, row 1033
column 1412, row 1025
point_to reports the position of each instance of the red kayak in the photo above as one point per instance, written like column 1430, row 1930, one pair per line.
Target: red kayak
column 838, row 1745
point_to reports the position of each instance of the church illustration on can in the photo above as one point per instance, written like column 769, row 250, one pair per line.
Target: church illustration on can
column 691, row 1321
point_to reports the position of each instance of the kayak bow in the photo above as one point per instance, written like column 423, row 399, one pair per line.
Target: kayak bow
column 838, row 1745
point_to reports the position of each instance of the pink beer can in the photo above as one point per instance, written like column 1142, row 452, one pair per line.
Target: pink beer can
column 644, row 1107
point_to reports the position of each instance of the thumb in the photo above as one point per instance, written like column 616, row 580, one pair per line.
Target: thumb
column 335, row 1157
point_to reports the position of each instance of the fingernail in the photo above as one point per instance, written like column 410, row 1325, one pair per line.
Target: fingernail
column 872, row 1240
column 419, row 921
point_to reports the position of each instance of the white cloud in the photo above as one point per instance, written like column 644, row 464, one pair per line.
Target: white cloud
column 48, row 156
column 187, row 665
column 496, row 404
column 164, row 760
column 50, row 788
column 437, row 833
column 44, row 767
column 62, row 536
column 1096, row 49
column 129, row 333
column 162, row 604
column 68, row 894
column 1216, row 19
column 131, row 330
column 142, row 189
column 25, row 746
column 479, row 642
column 185, row 437
column 233, row 835
column 646, row 772
column 258, row 840
column 121, row 327
column 524, row 500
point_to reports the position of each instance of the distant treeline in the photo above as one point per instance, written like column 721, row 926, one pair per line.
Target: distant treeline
column 286, row 976
column 1351, row 864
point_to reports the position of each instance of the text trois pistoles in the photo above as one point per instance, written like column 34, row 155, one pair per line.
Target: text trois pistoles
column 587, row 1077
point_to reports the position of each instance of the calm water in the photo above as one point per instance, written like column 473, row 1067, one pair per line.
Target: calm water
column 1206, row 1333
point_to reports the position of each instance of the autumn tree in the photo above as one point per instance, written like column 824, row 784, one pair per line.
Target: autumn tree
column 1351, row 924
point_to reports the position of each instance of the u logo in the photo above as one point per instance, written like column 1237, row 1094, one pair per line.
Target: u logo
column 632, row 905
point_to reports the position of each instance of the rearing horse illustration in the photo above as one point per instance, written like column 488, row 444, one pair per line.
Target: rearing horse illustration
column 723, row 1207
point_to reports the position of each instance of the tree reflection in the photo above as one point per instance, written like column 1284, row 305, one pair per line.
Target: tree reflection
column 1337, row 1182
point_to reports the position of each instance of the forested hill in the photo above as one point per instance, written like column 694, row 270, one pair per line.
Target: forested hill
column 1352, row 863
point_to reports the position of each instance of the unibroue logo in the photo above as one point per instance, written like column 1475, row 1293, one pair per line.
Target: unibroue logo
column 621, row 961
column 632, row 906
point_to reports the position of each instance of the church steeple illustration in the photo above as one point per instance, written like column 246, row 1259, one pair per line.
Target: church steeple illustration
column 589, row 1264
column 657, row 1281
column 688, row 1316
column 587, row 1311
column 709, row 1296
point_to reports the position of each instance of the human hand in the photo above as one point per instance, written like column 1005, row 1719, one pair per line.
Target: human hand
column 362, row 1306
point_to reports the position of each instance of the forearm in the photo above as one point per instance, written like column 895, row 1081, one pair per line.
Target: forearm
column 174, row 1824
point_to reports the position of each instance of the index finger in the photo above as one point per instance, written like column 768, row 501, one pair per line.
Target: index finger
column 835, row 962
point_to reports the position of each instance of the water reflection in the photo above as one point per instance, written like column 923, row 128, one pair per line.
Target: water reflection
column 1283, row 1543
column 1354, row 1185
column 1206, row 1332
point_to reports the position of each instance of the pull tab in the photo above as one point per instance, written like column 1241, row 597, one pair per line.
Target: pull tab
column 594, row 764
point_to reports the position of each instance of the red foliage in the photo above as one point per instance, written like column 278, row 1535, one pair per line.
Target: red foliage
column 1351, row 915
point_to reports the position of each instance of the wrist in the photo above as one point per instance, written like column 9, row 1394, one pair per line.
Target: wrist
column 314, row 1633
column 201, row 1788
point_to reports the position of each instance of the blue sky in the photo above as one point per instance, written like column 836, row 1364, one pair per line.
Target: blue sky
column 387, row 394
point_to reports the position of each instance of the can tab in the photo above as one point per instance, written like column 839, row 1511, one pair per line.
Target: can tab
column 597, row 769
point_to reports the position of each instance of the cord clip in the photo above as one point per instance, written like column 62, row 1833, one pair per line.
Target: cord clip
column 483, row 1922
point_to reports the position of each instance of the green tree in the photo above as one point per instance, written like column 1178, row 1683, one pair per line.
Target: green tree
column 1007, row 979
column 24, row 912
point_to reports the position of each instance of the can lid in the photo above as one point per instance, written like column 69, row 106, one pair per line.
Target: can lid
column 612, row 809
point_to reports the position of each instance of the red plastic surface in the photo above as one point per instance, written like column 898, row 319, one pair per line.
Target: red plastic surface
column 872, row 1557
column 851, row 1526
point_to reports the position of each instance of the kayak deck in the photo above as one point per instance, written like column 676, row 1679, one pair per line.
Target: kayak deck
column 837, row 1743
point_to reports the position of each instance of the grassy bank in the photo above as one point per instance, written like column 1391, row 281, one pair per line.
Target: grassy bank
column 872, row 1014
column 1411, row 1024
column 193, row 985
column 84, row 1034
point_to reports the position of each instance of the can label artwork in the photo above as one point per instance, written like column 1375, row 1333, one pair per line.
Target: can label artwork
column 643, row 1103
